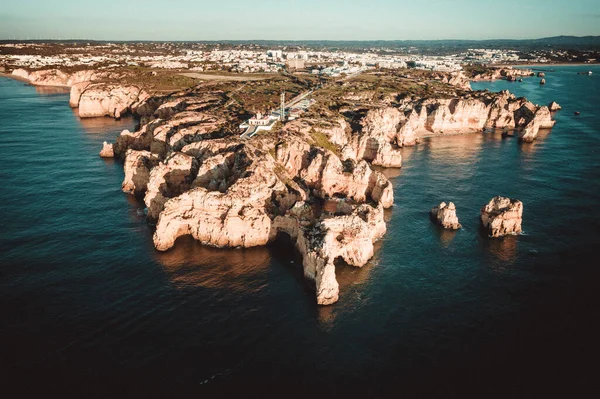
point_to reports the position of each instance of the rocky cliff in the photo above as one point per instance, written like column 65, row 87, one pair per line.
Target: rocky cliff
column 386, row 129
column 89, row 93
column 228, row 192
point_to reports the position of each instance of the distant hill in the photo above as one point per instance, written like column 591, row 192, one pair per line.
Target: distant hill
column 424, row 46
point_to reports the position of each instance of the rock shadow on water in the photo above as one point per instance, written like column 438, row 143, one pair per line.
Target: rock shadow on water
column 51, row 90
column 191, row 264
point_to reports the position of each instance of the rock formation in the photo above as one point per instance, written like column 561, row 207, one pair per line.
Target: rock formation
column 502, row 216
column 91, row 97
column 501, row 73
column 107, row 150
column 541, row 119
column 227, row 192
column 554, row 106
column 445, row 215
column 137, row 171
column 107, row 100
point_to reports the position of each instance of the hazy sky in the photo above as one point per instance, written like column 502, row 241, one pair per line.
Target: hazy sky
column 297, row 20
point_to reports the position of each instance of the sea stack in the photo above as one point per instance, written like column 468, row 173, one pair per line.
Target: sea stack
column 554, row 106
column 445, row 215
column 107, row 150
column 502, row 216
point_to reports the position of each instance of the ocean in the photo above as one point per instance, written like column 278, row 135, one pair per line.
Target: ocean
column 88, row 308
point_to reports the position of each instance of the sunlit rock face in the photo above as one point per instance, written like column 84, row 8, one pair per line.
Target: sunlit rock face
column 107, row 150
column 445, row 215
column 502, row 216
column 107, row 100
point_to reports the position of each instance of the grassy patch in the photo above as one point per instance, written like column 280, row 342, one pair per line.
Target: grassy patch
column 321, row 140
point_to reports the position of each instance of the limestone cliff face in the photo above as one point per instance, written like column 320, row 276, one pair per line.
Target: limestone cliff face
column 508, row 73
column 106, row 100
column 91, row 98
column 502, row 216
column 377, row 142
column 137, row 171
column 170, row 178
column 385, row 129
column 457, row 116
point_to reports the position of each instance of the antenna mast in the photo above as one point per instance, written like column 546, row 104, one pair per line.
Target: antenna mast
column 282, row 107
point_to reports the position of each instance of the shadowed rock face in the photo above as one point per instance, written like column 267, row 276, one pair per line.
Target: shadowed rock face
column 137, row 171
column 445, row 215
column 502, row 216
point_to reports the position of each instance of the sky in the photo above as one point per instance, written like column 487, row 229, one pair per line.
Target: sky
column 297, row 20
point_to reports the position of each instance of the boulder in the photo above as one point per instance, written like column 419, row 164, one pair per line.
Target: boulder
column 502, row 216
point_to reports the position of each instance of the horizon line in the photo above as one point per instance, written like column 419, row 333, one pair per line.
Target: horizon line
column 290, row 40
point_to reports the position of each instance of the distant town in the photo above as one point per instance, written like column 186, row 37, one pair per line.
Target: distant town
column 251, row 58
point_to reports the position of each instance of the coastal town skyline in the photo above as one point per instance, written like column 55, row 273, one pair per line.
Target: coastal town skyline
column 308, row 20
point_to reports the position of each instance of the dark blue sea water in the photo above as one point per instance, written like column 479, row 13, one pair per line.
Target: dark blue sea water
column 89, row 309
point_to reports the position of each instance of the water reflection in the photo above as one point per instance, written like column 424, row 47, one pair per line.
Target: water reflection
column 529, row 149
column 101, row 125
column 190, row 263
column 51, row 90
column 445, row 236
column 390, row 173
column 504, row 249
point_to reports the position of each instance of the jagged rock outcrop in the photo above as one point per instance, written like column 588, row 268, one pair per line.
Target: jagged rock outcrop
column 502, row 73
column 107, row 150
column 377, row 141
column 137, row 171
column 554, row 106
column 445, row 215
column 542, row 119
column 349, row 237
column 502, row 216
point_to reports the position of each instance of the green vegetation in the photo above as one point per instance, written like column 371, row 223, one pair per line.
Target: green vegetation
column 321, row 140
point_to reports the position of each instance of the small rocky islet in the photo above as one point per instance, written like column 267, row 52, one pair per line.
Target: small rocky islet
column 311, row 179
